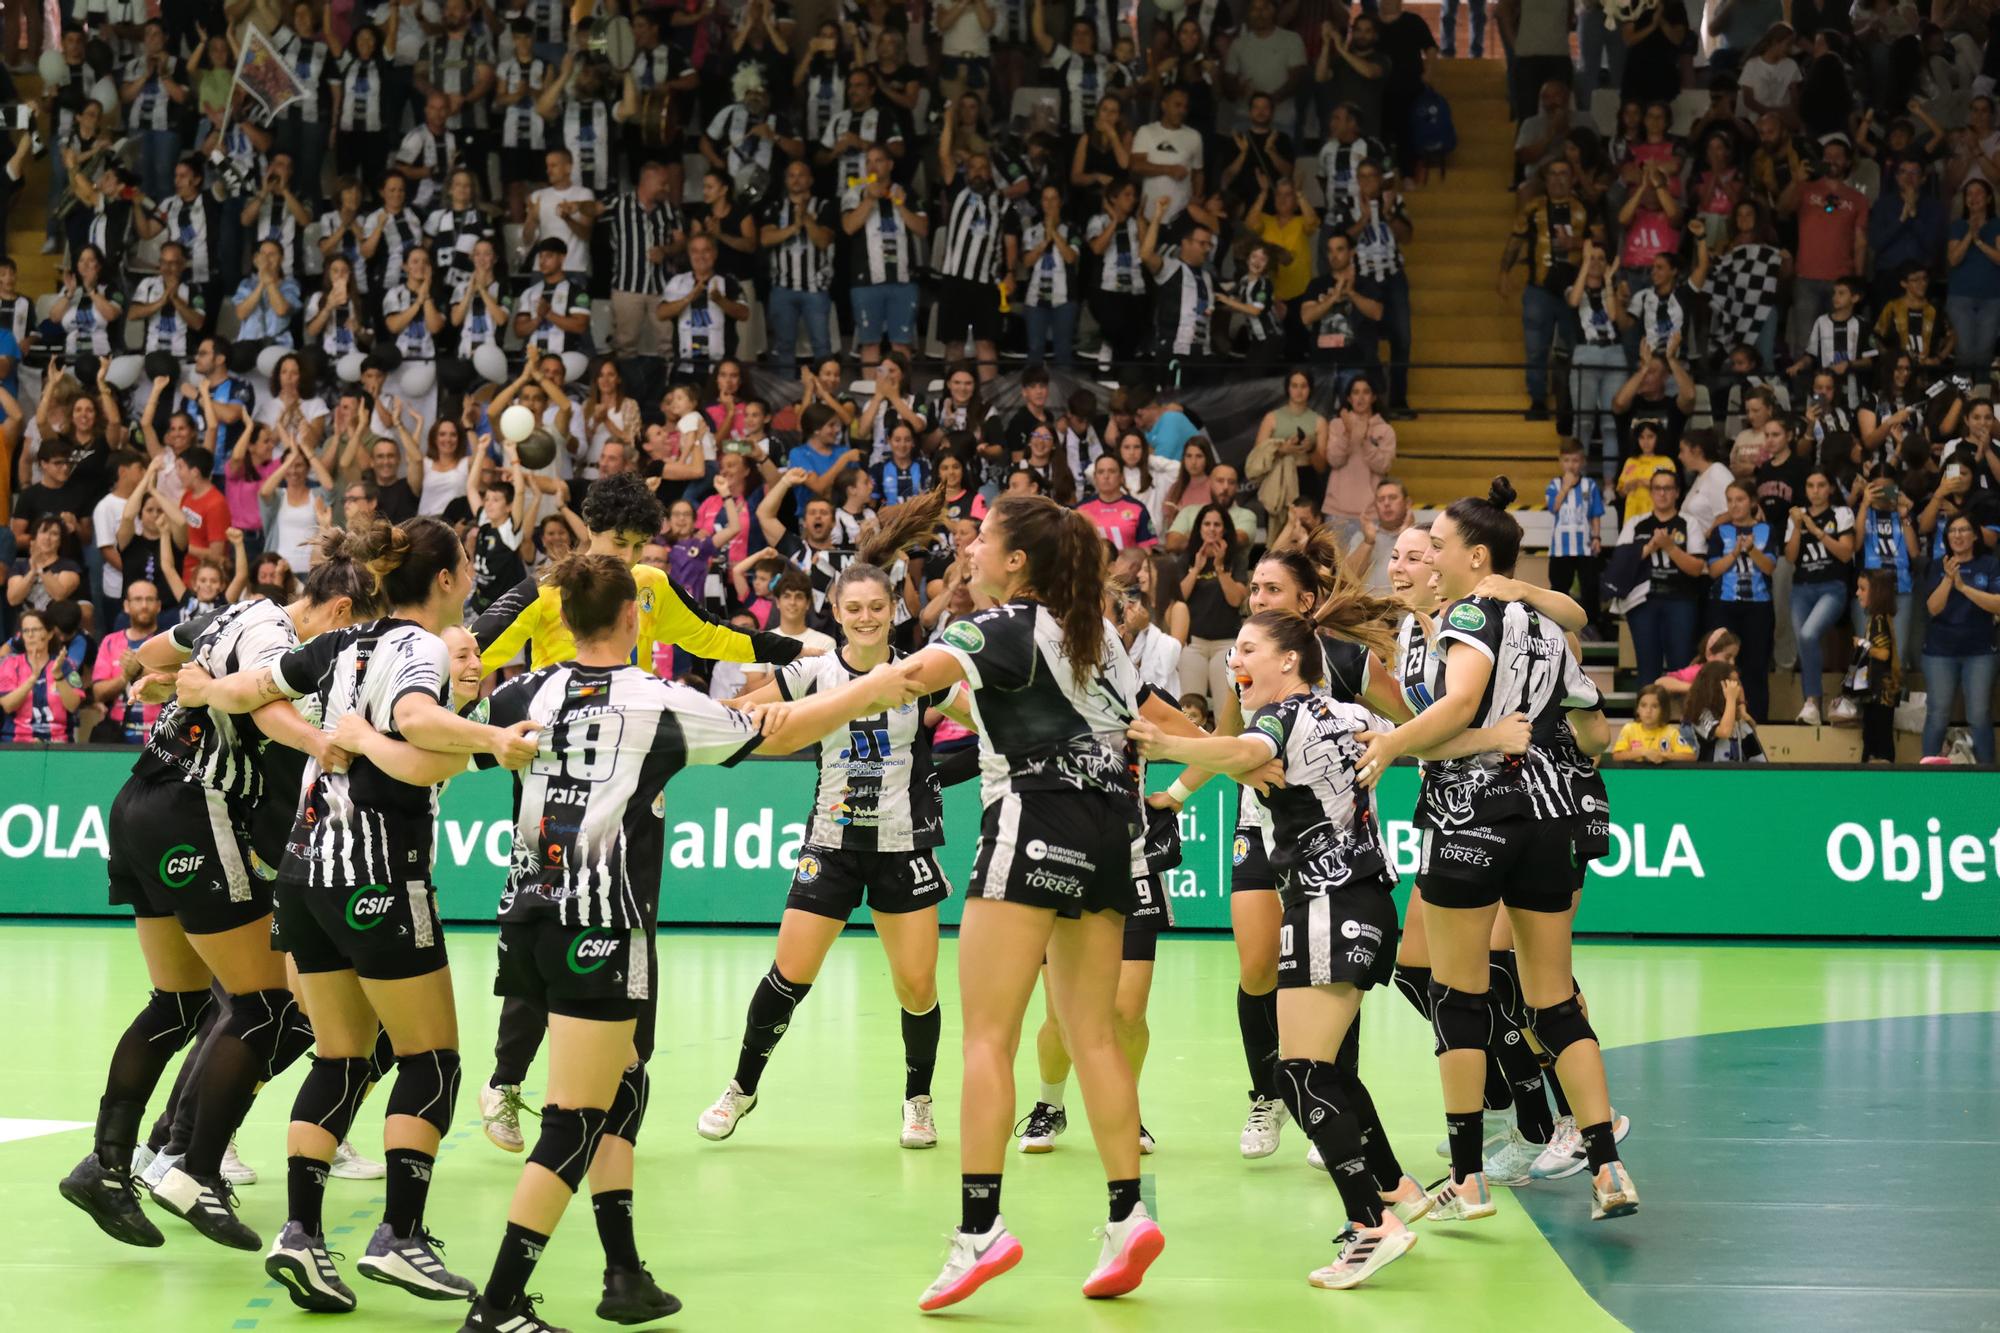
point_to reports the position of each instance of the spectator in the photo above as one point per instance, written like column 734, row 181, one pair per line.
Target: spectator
column 1354, row 71
column 40, row 690
column 1167, row 156
column 1379, row 532
column 1769, row 80
column 879, row 222
column 1635, row 478
column 1168, row 426
column 1535, row 34
column 1819, row 543
column 1539, row 142
column 1189, row 489
column 1741, row 563
column 127, row 720
column 44, row 575
column 1360, row 450
column 1598, row 359
column 1118, row 517
column 1833, row 236
column 1744, row 281
column 1222, row 481
column 1889, row 544
column 1215, row 593
column 1973, row 292
column 1717, row 645
column 1378, row 231
column 1048, row 255
column 793, row 594
column 1575, row 505
column 1644, row 400
column 1962, row 596
column 1290, row 445
column 1881, row 685
column 1558, row 237
column 1649, row 738
column 1338, row 313
column 1906, row 228
column 1718, row 726
column 1663, row 624
column 1708, row 494
column 1264, row 58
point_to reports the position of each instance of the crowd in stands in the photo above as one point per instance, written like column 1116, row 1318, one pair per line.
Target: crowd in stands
column 1765, row 328
column 1762, row 300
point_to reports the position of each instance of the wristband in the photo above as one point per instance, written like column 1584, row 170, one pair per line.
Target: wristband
column 1179, row 792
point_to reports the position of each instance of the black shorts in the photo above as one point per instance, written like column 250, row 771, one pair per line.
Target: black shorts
column 384, row 933
column 576, row 971
column 1346, row 935
column 962, row 304
column 1526, row 863
column 183, row 851
column 1250, row 865
column 1593, row 840
column 833, row 882
column 1070, row 850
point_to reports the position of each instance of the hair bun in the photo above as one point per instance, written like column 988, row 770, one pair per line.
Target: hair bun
column 1501, row 493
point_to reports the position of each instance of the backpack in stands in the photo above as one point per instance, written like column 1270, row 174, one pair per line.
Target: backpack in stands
column 1432, row 134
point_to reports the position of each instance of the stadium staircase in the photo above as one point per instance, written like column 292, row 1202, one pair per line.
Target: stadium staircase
column 1466, row 383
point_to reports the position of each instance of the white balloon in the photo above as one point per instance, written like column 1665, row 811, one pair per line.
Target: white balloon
column 414, row 379
column 490, row 362
column 517, row 423
column 268, row 359
column 349, row 367
column 124, row 372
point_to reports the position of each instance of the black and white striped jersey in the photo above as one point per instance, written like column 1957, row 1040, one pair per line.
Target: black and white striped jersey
column 1040, row 728
column 974, row 225
column 882, row 252
column 209, row 748
column 363, row 826
column 1050, row 281
column 876, row 125
column 1118, row 268
column 796, row 263
column 1083, row 82
column 1343, row 678
column 590, row 809
column 1183, row 308
column 635, row 230
column 877, row 790
column 1533, row 673
column 1319, row 827
column 520, row 127
column 452, row 235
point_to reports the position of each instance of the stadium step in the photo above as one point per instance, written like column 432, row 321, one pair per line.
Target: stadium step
column 26, row 224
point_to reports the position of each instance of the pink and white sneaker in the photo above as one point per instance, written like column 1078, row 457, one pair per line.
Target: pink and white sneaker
column 1129, row 1250
column 973, row 1261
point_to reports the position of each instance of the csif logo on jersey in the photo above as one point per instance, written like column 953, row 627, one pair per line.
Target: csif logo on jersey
column 590, row 951
column 369, row 906
column 178, row 864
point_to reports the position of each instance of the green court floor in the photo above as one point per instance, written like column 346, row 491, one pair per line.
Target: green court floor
column 1816, row 1130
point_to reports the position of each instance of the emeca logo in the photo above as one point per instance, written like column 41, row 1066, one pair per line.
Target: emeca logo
column 178, row 865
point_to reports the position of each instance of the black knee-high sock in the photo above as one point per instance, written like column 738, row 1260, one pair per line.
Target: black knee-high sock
column 920, row 1043
column 220, row 1098
column 1257, row 1018
column 520, row 1250
column 613, row 1211
column 1313, row 1092
column 770, row 1014
column 1508, row 1047
column 1382, row 1164
column 137, row 1064
column 305, row 1191
column 1466, row 1131
column 408, row 1188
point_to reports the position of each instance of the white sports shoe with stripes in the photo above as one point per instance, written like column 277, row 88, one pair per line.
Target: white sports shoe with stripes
column 349, row 1164
column 209, row 1206
column 1465, row 1200
column 719, row 1121
column 412, row 1263
column 300, row 1264
column 1364, row 1251
column 517, row 1318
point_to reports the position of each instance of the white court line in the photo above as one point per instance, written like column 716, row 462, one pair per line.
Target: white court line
column 11, row 1129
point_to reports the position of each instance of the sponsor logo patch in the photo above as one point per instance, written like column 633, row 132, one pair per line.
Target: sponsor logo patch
column 588, row 952
column 808, row 868
column 1466, row 616
column 965, row 635
column 369, row 906
column 1273, row 728
column 1239, row 851
column 178, row 865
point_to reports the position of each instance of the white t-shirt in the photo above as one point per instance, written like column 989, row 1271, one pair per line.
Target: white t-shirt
column 1164, row 147
column 310, row 410
column 1768, row 83
column 442, row 485
column 104, row 531
column 545, row 201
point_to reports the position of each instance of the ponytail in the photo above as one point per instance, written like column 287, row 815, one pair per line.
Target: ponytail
column 411, row 558
column 1065, row 568
column 342, row 567
column 888, row 536
column 1293, row 633
column 1487, row 523
column 1341, row 604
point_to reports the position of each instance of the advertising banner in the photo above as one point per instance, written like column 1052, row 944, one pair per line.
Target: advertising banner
column 1701, row 851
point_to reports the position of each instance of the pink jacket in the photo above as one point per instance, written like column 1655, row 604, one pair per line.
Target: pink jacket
column 1356, row 465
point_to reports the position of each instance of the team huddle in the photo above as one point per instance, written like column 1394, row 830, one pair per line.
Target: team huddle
column 275, row 844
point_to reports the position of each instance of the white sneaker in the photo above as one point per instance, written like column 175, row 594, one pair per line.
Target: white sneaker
column 50, row 245
column 1465, row 1200
column 348, row 1164
column 500, row 1115
column 719, row 1121
column 1038, row 1129
column 1509, row 1159
column 156, row 1170
column 1260, row 1131
column 1563, row 1157
column 1408, row 1201
column 1145, row 1141
column 233, row 1169
column 1491, row 1141
column 1363, row 1252
column 1128, row 1251
column 1313, row 1159
column 142, row 1160
column 919, row 1129
column 970, row 1264
column 1809, row 715
column 1612, row 1193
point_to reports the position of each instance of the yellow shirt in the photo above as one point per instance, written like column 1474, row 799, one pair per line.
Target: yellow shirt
column 1666, row 737
column 663, row 618
column 1640, row 468
column 1290, row 279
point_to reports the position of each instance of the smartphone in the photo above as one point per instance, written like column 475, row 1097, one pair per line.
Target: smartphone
column 1892, row 494
column 1954, row 472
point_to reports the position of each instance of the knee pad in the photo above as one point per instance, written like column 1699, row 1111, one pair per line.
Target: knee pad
column 426, row 1087
column 296, row 1039
column 258, row 1019
column 175, row 1016
column 1460, row 1019
column 628, row 1106
column 568, row 1141
column 1505, row 971
column 1311, row 1091
column 331, row 1094
column 383, row 1058
column 1560, row 1026
column 1415, row 984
